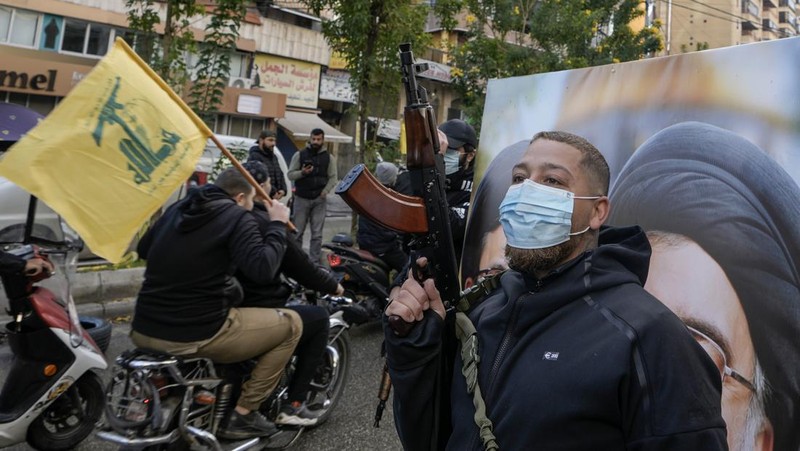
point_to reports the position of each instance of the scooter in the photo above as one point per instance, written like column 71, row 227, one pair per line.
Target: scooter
column 52, row 396
column 160, row 401
column 364, row 276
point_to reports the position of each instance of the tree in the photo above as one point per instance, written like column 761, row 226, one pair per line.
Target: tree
column 367, row 33
column 167, row 53
column 507, row 38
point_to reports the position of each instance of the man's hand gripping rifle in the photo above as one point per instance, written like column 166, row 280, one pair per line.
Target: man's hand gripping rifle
column 425, row 215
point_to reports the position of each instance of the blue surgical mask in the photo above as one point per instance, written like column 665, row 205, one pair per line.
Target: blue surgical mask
column 451, row 161
column 536, row 216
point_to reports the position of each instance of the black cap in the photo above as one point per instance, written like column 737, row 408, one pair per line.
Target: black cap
column 266, row 134
column 257, row 169
column 459, row 133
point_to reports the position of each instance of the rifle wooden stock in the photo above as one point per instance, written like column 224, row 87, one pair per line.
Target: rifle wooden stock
column 369, row 198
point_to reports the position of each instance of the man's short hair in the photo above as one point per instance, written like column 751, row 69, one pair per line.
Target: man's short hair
column 258, row 170
column 233, row 182
column 317, row 132
column 267, row 134
column 593, row 161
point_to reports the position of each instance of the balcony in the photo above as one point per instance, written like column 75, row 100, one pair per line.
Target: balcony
column 769, row 25
column 788, row 4
column 748, row 26
column 750, row 7
column 768, row 4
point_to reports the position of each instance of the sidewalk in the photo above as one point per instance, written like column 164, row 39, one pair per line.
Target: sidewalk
column 109, row 294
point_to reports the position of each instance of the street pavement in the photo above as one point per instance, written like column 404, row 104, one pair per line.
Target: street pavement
column 349, row 428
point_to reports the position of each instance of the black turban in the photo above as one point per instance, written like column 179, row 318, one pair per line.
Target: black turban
column 743, row 209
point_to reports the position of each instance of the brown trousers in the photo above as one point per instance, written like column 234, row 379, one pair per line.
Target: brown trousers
column 269, row 335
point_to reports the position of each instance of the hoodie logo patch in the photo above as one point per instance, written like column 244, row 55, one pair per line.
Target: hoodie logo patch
column 549, row 355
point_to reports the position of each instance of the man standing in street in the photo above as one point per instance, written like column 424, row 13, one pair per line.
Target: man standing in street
column 313, row 171
column 264, row 151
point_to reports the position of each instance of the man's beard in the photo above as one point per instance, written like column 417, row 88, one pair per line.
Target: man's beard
column 530, row 261
column 316, row 146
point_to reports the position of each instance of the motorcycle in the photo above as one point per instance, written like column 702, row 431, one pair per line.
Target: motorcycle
column 52, row 396
column 365, row 279
column 159, row 401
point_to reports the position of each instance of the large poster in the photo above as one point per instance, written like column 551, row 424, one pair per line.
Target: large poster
column 704, row 154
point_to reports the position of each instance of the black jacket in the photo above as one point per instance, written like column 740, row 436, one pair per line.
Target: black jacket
column 295, row 264
column 583, row 359
column 10, row 263
column 274, row 170
column 376, row 238
column 192, row 252
column 312, row 185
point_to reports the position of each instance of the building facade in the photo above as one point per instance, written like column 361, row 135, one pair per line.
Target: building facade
column 690, row 25
column 48, row 46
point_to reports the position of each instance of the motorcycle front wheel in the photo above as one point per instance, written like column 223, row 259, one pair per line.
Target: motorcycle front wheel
column 71, row 417
column 329, row 381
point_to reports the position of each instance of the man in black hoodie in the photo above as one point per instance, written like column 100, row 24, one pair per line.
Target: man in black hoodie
column 187, row 304
column 571, row 353
column 274, row 293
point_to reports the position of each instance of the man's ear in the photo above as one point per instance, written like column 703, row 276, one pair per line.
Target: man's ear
column 765, row 440
column 600, row 212
column 240, row 199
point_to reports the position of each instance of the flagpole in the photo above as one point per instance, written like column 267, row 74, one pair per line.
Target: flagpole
column 199, row 123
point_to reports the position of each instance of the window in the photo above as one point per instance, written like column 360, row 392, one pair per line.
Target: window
column 23, row 28
column 51, row 32
column 74, row 36
column 83, row 37
column 5, row 23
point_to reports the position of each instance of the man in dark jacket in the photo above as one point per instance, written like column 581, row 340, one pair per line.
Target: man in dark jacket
column 573, row 354
column 11, row 264
column 187, row 304
column 382, row 242
column 264, row 151
column 273, row 293
column 313, row 171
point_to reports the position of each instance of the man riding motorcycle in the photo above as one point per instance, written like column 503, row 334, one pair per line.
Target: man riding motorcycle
column 189, row 297
column 271, row 293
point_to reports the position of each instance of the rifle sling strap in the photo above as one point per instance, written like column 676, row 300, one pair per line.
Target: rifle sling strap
column 468, row 336
column 470, row 357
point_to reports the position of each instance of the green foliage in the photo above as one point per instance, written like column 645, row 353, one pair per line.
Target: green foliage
column 367, row 34
column 164, row 53
column 167, row 53
column 240, row 153
column 214, row 65
column 507, row 38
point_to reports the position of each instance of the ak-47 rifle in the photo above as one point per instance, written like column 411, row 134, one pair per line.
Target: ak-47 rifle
column 425, row 215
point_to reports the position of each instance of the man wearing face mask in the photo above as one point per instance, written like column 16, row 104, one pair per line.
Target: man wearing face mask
column 459, row 156
column 571, row 352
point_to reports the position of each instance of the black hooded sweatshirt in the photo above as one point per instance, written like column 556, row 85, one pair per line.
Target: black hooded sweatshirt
column 583, row 359
column 296, row 264
column 192, row 252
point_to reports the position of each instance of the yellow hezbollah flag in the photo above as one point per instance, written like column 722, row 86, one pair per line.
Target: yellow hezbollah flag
column 111, row 152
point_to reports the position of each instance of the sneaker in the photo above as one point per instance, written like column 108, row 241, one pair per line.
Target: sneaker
column 247, row 426
column 296, row 414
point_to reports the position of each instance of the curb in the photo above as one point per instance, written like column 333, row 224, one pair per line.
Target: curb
column 109, row 309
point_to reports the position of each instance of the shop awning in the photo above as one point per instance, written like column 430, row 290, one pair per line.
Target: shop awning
column 301, row 124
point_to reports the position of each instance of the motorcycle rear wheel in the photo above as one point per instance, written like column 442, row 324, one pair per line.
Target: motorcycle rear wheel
column 71, row 417
column 328, row 384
